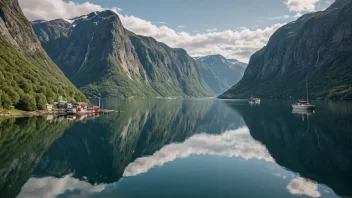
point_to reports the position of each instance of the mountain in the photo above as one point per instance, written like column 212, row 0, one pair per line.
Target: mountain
column 102, row 58
column 28, row 77
column 228, row 71
column 316, row 46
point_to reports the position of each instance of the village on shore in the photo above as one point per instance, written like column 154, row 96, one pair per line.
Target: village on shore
column 62, row 108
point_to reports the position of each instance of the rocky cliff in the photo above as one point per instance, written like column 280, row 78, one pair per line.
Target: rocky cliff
column 102, row 58
column 316, row 46
column 28, row 77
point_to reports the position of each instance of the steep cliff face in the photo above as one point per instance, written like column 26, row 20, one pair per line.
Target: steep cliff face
column 228, row 72
column 317, row 45
column 102, row 58
column 15, row 28
column 28, row 77
column 169, row 70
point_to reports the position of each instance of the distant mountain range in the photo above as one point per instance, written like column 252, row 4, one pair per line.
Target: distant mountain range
column 102, row 58
column 229, row 71
column 317, row 46
column 28, row 77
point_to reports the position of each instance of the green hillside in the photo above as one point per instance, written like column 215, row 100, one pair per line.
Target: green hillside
column 28, row 78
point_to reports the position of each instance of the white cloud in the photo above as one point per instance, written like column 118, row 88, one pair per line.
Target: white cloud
column 302, row 186
column 241, row 28
column 233, row 143
column 301, row 5
column 212, row 30
column 280, row 17
column 162, row 22
column 181, row 26
column 54, row 9
column 239, row 44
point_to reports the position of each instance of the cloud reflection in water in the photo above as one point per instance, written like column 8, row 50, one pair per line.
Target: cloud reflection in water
column 232, row 143
column 302, row 186
column 49, row 187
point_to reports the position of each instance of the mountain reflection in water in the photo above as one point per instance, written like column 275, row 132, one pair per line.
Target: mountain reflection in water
column 228, row 146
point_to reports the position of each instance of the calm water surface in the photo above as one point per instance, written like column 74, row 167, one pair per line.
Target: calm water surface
column 181, row 148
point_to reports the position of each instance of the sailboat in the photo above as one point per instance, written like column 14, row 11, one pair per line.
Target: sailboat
column 301, row 104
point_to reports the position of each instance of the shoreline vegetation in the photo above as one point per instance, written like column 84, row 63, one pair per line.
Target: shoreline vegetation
column 15, row 113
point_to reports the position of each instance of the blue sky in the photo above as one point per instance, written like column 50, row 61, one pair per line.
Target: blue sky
column 232, row 28
column 203, row 15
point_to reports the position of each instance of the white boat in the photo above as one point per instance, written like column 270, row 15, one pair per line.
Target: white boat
column 303, row 105
column 253, row 100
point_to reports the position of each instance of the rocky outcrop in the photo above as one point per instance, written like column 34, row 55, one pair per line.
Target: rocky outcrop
column 15, row 28
column 102, row 58
column 316, row 46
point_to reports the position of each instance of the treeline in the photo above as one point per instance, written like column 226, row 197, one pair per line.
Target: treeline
column 30, row 82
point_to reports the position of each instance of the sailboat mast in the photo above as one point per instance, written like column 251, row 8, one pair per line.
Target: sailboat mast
column 307, row 88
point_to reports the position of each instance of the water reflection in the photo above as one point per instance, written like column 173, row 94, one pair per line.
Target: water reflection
column 318, row 149
column 266, row 145
column 52, row 187
column 99, row 151
column 303, row 186
column 22, row 143
column 304, row 114
column 235, row 143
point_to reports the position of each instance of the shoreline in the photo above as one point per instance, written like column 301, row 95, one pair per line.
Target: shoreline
column 33, row 113
column 43, row 113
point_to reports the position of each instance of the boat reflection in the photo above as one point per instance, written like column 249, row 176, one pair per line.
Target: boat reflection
column 304, row 113
column 317, row 149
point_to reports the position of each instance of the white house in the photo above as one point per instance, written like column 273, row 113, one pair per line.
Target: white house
column 49, row 107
